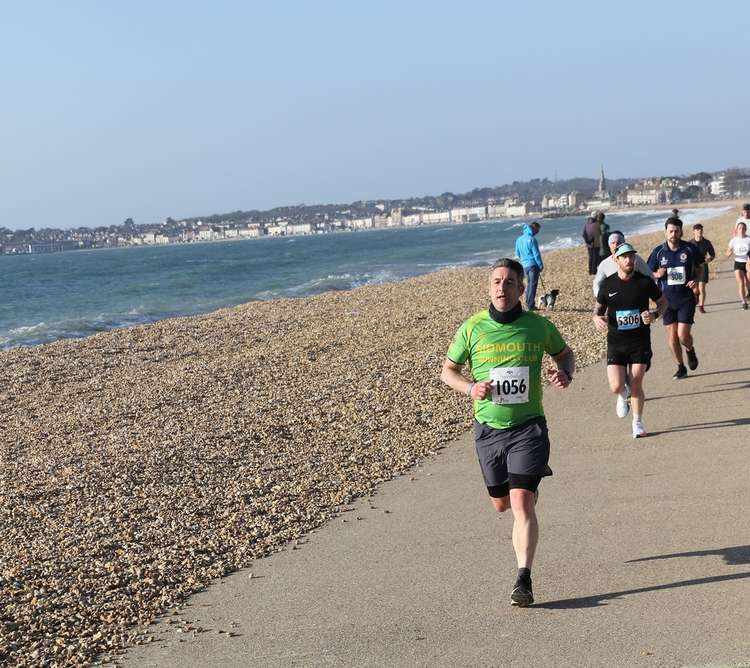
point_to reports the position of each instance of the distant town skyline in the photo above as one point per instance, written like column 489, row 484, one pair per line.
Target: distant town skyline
column 536, row 198
column 151, row 111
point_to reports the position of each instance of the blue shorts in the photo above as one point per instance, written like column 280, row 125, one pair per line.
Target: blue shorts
column 683, row 312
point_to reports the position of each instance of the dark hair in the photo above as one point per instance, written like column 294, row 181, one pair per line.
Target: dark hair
column 697, row 226
column 673, row 220
column 513, row 265
column 617, row 232
column 535, row 226
column 600, row 216
column 746, row 207
column 675, row 212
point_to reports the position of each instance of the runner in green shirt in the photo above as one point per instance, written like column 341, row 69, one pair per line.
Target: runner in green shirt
column 504, row 347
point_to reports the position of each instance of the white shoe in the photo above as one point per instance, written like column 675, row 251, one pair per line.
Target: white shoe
column 622, row 408
column 639, row 429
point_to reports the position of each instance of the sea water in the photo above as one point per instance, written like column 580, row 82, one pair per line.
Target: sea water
column 77, row 293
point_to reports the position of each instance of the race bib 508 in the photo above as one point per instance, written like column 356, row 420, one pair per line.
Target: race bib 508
column 676, row 276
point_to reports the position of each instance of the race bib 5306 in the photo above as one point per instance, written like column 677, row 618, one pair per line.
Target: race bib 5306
column 510, row 385
column 628, row 318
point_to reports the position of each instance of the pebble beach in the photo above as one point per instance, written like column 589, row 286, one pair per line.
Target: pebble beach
column 141, row 464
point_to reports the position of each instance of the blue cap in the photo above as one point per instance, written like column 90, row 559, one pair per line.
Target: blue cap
column 624, row 248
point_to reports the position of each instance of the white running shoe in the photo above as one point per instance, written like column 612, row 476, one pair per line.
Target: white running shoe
column 639, row 429
column 622, row 408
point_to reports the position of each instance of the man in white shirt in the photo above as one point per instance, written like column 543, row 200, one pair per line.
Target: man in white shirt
column 608, row 266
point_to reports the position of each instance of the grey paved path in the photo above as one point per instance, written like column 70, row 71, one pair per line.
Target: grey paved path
column 644, row 558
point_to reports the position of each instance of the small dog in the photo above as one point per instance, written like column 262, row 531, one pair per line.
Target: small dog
column 548, row 299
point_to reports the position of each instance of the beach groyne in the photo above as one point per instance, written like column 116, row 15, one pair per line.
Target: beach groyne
column 140, row 464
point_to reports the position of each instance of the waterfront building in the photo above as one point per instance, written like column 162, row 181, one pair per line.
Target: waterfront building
column 469, row 214
column 718, row 187
column 361, row 223
column 275, row 230
column 495, row 210
column 650, row 191
column 601, row 204
column 576, row 200
column 516, row 209
column 436, row 217
column 299, row 228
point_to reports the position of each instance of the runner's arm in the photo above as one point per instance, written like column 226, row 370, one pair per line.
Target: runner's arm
column 600, row 276
column 600, row 322
column 650, row 316
column 566, row 366
column 653, row 265
column 451, row 375
column 661, row 306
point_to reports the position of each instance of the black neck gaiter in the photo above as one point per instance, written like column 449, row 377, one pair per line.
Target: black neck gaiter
column 504, row 317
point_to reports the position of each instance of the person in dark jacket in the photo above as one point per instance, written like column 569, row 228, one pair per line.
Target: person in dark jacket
column 592, row 237
column 527, row 250
column 604, row 251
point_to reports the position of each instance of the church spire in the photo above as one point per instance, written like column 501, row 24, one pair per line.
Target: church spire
column 602, row 182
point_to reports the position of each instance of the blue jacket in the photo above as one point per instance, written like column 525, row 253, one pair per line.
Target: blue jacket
column 527, row 249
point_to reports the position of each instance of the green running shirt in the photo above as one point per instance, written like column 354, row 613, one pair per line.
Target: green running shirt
column 510, row 355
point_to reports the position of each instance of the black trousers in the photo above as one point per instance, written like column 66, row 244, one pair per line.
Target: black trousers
column 593, row 259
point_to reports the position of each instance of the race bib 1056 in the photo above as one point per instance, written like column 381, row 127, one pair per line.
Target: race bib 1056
column 510, row 385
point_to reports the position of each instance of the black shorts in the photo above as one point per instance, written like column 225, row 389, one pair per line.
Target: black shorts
column 683, row 312
column 740, row 266
column 701, row 273
column 509, row 457
column 622, row 353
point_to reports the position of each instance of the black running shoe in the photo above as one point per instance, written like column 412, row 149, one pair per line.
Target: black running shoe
column 692, row 359
column 522, row 595
column 680, row 373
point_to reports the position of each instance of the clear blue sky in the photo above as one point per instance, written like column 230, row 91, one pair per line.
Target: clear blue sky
column 155, row 109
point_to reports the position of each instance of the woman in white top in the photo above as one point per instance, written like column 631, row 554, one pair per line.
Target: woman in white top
column 739, row 246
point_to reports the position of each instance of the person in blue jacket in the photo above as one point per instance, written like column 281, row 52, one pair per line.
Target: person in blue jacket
column 527, row 250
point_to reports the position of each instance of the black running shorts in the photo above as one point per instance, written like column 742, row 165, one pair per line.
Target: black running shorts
column 701, row 273
column 522, row 450
column 622, row 353
column 740, row 266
